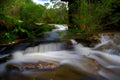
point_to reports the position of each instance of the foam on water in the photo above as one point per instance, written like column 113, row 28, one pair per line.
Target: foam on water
column 109, row 63
column 105, row 39
column 75, row 58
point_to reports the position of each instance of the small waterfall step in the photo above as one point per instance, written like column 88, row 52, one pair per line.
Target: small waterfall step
column 46, row 47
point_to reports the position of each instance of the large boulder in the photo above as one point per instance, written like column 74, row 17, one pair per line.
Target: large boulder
column 32, row 66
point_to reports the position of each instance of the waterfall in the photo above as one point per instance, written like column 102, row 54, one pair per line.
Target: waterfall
column 105, row 39
column 57, row 33
column 100, row 60
column 109, row 44
column 46, row 47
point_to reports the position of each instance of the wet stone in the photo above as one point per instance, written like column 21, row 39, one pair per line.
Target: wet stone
column 32, row 66
column 5, row 58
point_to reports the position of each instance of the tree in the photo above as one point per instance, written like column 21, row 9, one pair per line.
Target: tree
column 58, row 13
column 89, row 15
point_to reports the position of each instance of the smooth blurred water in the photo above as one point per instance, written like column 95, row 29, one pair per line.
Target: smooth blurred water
column 81, row 63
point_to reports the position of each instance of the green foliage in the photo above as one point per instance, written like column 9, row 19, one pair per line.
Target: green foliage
column 18, row 18
column 57, row 14
column 113, row 18
column 89, row 16
column 22, row 30
column 9, row 36
column 7, row 22
column 32, row 12
column 93, row 14
column 42, row 28
column 45, row 27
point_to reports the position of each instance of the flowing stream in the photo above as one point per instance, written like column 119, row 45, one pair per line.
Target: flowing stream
column 75, row 61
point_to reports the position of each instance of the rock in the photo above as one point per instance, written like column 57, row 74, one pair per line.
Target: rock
column 12, row 42
column 70, row 43
column 5, row 58
column 32, row 66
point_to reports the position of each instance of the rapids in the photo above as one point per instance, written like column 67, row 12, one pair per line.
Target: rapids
column 101, row 62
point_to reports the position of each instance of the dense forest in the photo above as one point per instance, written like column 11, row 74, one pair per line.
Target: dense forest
column 87, row 16
column 18, row 18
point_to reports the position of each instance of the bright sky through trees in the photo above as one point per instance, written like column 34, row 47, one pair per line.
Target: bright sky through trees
column 41, row 1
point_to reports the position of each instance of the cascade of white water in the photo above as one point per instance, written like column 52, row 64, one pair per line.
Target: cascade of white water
column 105, row 39
column 46, row 47
column 77, row 58
column 109, row 44
column 57, row 33
column 81, row 58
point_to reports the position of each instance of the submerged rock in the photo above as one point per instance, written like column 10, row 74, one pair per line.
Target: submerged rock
column 32, row 66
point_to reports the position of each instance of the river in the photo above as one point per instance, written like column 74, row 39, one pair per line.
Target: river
column 70, row 61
